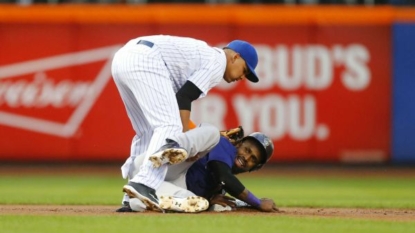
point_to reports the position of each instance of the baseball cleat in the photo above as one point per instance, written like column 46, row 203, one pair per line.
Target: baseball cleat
column 193, row 204
column 125, row 207
column 170, row 153
column 146, row 194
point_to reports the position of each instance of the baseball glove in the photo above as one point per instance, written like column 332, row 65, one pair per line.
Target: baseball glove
column 234, row 134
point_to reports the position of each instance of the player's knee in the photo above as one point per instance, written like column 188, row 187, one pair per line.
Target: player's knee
column 211, row 130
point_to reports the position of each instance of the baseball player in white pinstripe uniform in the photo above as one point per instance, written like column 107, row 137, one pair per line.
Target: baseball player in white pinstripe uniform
column 158, row 77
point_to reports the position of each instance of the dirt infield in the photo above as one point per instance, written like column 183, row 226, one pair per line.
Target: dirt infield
column 374, row 214
column 354, row 213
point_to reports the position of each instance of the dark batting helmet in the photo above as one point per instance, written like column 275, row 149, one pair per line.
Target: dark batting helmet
column 266, row 147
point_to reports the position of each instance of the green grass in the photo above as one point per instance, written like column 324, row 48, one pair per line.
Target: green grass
column 196, row 223
column 287, row 192
column 100, row 189
column 61, row 190
column 337, row 192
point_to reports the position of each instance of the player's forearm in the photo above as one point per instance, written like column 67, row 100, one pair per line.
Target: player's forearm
column 249, row 198
column 185, row 96
column 185, row 117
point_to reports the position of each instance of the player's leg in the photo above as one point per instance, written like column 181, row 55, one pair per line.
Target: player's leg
column 165, row 121
column 150, row 89
column 121, row 71
column 124, row 76
column 194, row 142
column 198, row 140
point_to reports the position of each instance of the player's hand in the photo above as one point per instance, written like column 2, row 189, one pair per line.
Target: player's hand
column 268, row 205
column 234, row 134
column 223, row 200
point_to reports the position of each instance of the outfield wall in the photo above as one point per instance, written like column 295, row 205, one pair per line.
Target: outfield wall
column 403, row 123
column 335, row 81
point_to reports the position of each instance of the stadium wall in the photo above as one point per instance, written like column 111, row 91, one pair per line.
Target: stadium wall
column 335, row 81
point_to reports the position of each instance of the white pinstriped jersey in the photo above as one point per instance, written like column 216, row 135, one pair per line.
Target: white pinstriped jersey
column 190, row 59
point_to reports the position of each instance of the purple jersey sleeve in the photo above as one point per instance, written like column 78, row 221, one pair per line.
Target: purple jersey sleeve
column 224, row 152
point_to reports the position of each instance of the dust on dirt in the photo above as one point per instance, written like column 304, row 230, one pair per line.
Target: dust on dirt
column 354, row 213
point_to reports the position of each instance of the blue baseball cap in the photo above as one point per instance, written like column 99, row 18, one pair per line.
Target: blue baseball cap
column 248, row 53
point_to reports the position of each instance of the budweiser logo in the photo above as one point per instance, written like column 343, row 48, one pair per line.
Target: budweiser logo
column 44, row 96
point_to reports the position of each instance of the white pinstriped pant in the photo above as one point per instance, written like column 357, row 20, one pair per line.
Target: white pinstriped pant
column 143, row 81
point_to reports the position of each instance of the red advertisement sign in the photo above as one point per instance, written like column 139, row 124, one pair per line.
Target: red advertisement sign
column 323, row 95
